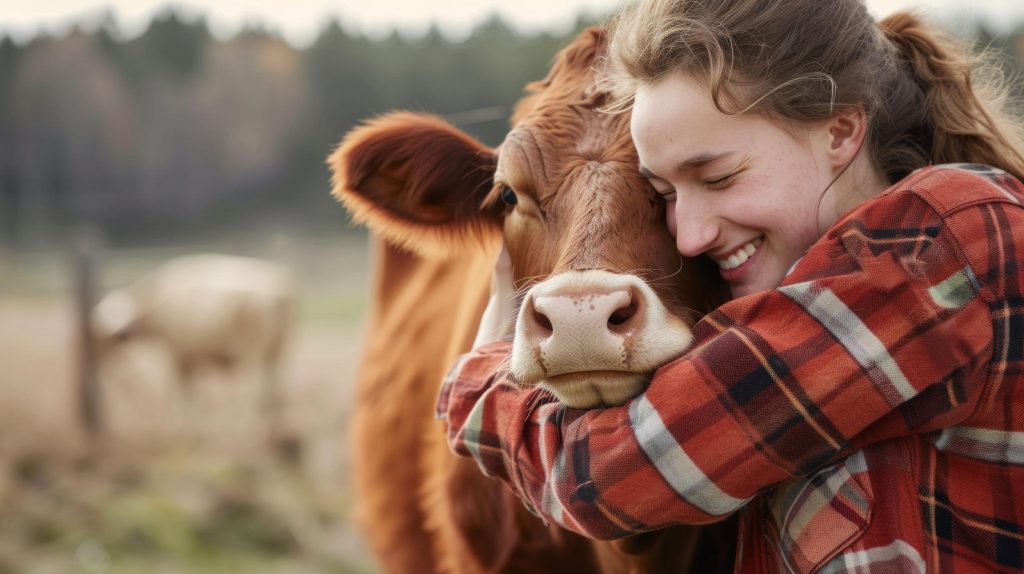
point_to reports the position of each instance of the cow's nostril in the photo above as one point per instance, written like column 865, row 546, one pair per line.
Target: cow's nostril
column 621, row 315
column 542, row 321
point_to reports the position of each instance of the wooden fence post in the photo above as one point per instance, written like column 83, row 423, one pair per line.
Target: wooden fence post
column 85, row 246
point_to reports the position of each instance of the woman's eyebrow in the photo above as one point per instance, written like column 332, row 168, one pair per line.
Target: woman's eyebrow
column 702, row 159
column 698, row 160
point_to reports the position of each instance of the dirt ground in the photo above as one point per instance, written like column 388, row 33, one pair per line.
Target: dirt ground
column 181, row 480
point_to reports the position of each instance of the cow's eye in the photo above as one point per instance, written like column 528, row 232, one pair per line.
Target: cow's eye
column 509, row 196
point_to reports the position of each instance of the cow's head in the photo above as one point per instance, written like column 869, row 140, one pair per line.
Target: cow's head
column 609, row 299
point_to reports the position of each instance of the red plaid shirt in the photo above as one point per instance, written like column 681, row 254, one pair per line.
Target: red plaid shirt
column 866, row 415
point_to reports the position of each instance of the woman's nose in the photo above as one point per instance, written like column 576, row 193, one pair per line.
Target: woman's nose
column 696, row 229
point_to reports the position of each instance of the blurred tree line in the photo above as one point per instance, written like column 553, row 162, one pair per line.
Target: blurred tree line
column 175, row 131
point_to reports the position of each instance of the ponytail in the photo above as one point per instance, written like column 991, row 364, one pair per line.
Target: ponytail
column 941, row 106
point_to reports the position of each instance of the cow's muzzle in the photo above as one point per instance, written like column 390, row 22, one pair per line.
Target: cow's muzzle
column 592, row 337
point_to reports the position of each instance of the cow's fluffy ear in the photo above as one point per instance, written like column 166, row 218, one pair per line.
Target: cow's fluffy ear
column 417, row 181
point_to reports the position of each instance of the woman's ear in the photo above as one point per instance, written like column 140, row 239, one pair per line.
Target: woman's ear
column 847, row 130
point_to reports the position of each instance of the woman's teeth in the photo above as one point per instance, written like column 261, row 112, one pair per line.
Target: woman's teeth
column 740, row 256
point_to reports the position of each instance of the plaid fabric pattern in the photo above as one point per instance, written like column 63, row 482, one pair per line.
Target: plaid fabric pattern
column 867, row 415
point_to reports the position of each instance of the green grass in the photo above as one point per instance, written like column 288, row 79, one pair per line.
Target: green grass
column 175, row 514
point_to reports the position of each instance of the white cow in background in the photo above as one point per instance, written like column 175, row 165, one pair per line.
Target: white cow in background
column 214, row 321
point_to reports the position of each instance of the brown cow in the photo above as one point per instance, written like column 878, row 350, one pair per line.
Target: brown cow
column 581, row 225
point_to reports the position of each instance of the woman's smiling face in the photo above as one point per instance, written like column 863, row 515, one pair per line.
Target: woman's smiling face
column 745, row 190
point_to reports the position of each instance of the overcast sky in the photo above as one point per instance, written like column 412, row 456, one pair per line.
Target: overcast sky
column 299, row 20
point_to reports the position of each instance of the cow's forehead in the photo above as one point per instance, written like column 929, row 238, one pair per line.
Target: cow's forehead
column 548, row 146
column 524, row 154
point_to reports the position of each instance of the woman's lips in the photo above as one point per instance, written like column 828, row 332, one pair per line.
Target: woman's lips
column 735, row 266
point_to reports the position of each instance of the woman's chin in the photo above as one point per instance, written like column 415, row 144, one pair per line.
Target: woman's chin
column 594, row 389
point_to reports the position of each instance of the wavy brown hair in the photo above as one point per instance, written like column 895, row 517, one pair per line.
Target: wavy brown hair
column 927, row 99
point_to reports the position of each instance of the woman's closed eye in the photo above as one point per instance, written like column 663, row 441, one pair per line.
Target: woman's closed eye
column 720, row 182
column 724, row 176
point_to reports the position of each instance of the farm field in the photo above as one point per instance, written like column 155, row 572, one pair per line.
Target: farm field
column 181, row 480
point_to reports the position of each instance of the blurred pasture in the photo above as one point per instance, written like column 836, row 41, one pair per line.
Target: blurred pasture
column 179, row 481
column 176, row 142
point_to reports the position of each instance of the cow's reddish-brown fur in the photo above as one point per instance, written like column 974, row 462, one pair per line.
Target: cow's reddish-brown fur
column 424, row 186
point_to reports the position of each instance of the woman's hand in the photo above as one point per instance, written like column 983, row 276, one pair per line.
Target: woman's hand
column 499, row 318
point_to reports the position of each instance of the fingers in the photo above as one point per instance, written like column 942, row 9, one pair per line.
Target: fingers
column 499, row 318
column 502, row 281
column 504, row 261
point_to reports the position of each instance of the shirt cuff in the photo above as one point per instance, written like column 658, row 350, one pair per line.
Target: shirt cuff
column 472, row 374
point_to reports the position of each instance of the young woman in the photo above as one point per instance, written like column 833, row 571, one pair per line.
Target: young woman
column 860, row 401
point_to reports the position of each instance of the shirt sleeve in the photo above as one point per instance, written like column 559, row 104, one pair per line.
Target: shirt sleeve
column 881, row 330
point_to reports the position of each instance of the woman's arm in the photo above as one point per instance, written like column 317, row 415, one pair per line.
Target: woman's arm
column 882, row 330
